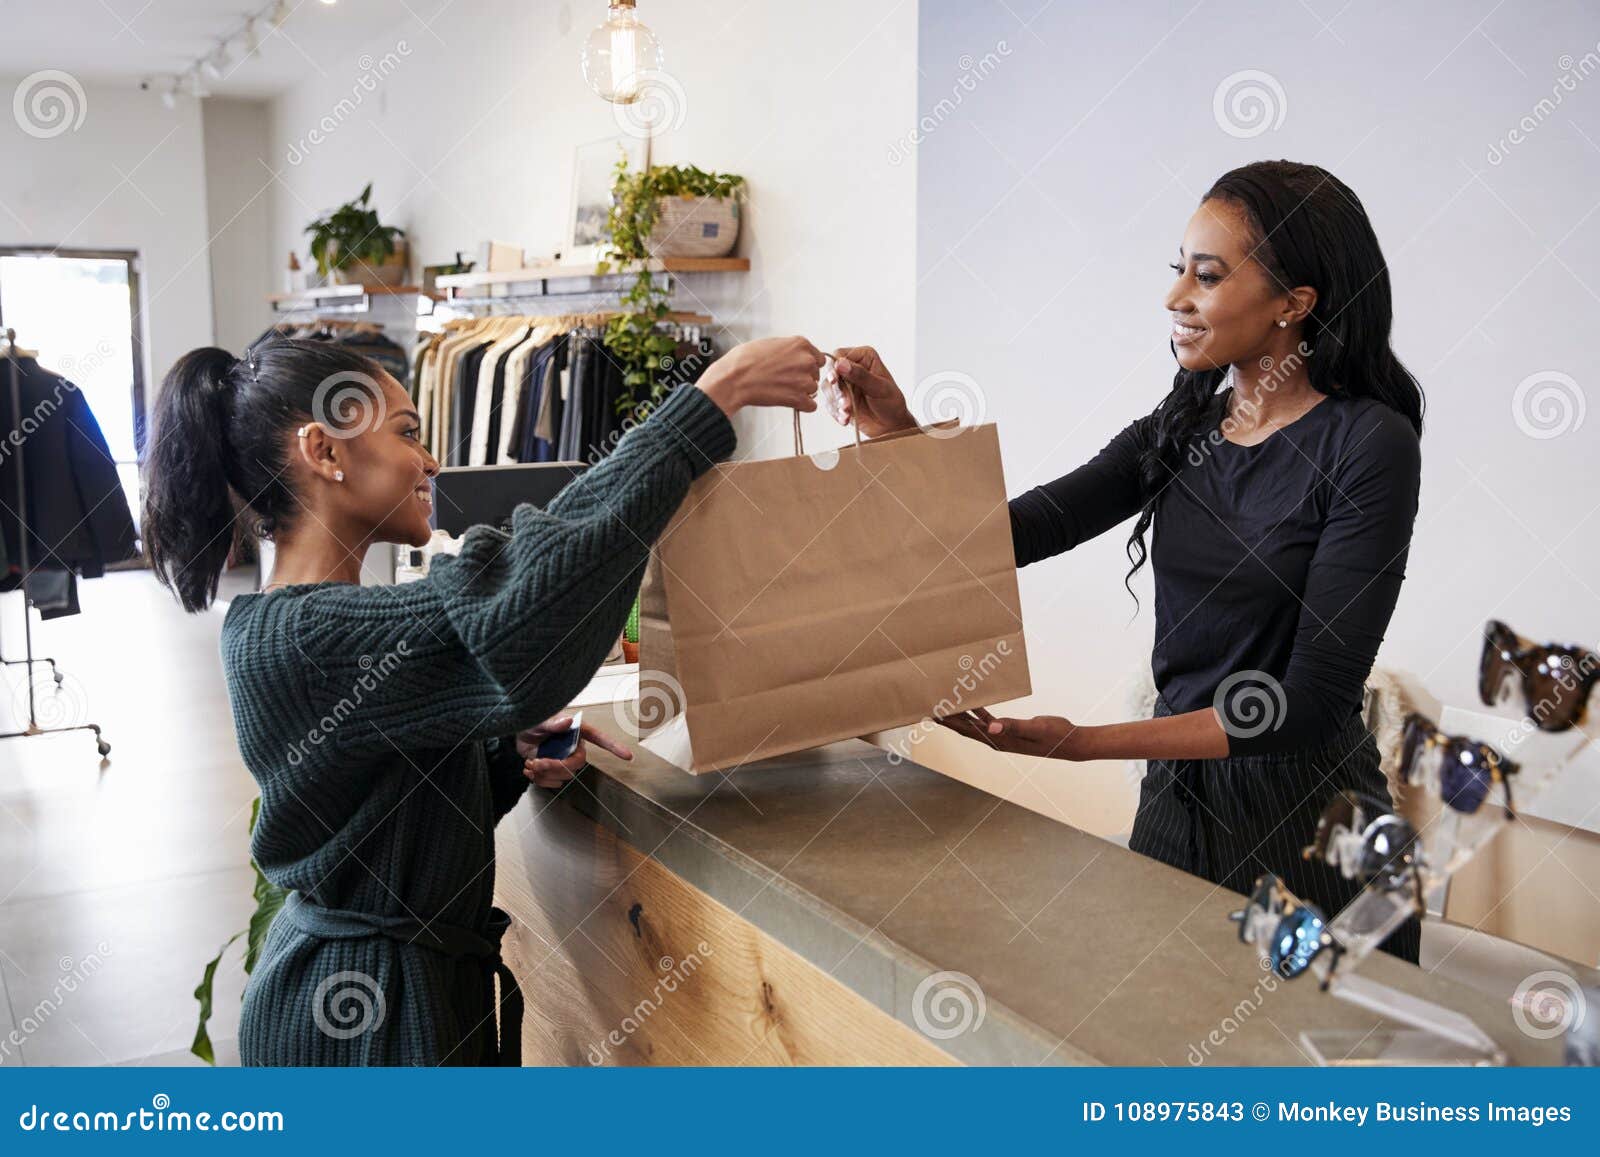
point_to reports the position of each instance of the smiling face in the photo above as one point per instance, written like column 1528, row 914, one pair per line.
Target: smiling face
column 1225, row 305
column 388, row 472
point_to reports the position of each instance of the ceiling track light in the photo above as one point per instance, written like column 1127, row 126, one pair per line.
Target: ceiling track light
column 215, row 64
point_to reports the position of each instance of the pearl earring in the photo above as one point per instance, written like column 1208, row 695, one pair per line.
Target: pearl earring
column 338, row 475
column 1282, row 324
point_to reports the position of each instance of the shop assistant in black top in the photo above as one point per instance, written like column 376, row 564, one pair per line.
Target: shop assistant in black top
column 1282, row 559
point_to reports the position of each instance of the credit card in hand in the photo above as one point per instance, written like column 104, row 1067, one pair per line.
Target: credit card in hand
column 562, row 743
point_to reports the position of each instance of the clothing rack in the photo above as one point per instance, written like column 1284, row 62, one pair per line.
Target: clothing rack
column 467, row 427
column 20, row 446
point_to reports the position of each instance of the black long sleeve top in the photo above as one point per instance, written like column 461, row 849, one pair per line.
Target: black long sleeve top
column 1277, row 566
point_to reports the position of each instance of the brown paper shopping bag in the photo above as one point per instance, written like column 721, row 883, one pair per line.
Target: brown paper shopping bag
column 798, row 601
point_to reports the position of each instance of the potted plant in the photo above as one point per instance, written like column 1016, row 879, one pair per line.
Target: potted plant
column 351, row 246
column 269, row 902
column 630, row 636
column 661, row 211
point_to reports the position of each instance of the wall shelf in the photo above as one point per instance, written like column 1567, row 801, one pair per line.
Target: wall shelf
column 534, row 280
column 340, row 298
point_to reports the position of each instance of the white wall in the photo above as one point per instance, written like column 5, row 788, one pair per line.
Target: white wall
column 239, row 193
column 468, row 135
column 1054, row 192
column 130, row 176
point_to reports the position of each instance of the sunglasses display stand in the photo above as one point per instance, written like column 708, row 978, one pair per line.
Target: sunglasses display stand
column 1419, row 1031
column 1560, row 776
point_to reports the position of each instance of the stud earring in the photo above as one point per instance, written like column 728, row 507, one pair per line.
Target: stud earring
column 1282, row 324
column 301, row 432
column 338, row 475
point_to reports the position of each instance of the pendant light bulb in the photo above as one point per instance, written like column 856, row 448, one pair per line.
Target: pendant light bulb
column 620, row 54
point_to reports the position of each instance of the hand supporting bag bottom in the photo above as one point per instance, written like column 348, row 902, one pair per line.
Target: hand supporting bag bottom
column 798, row 601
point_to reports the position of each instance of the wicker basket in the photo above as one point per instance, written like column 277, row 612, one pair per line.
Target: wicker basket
column 692, row 226
column 388, row 275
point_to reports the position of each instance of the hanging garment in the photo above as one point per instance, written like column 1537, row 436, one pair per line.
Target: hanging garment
column 508, row 385
column 490, row 379
column 549, row 372
column 513, row 406
column 463, row 395
column 572, row 398
column 53, row 592
column 77, row 514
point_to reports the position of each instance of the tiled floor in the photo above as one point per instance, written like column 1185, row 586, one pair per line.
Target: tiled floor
column 119, row 880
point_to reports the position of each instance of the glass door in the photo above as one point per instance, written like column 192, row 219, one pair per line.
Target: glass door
column 79, row 309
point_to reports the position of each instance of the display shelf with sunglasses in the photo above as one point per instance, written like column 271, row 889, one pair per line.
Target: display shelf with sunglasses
column 1475, row 784
column 1295, row 938
column 1540, row 695
column 1363, row 841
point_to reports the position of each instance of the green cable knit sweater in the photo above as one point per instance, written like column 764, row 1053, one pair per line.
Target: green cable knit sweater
column 379, row 724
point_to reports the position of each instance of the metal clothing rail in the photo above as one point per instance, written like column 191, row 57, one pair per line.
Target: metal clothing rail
column 20, row 447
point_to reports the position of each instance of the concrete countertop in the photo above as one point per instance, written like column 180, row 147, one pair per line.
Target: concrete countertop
column 884, row 873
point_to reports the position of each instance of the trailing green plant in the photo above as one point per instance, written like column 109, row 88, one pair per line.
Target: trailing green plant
column 269, row 901
column 642, row 350
column 352, row 234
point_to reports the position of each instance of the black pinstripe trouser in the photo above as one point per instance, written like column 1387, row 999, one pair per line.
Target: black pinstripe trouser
column 1229, row 820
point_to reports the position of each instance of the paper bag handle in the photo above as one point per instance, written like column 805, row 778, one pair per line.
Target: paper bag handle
column 799, row 439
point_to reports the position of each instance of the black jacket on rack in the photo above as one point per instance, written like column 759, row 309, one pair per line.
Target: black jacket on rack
column 77, row 511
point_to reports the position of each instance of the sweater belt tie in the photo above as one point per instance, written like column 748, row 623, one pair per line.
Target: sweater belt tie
column 453, row 940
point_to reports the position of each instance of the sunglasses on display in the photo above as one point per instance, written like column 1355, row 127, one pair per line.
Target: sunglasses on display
column 1467, row 769
column 1385, row 851
column 1299, row 931
column 1555, row 679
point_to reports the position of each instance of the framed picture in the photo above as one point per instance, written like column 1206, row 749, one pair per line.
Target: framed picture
column 592, row 166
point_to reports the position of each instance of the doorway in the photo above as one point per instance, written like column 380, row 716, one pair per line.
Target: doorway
column 79, row 309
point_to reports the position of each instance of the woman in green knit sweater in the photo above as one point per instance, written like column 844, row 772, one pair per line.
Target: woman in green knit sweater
column 389, row 728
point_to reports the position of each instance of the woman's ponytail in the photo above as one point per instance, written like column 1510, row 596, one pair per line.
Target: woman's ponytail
column 216, row 465
column 188, row 523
